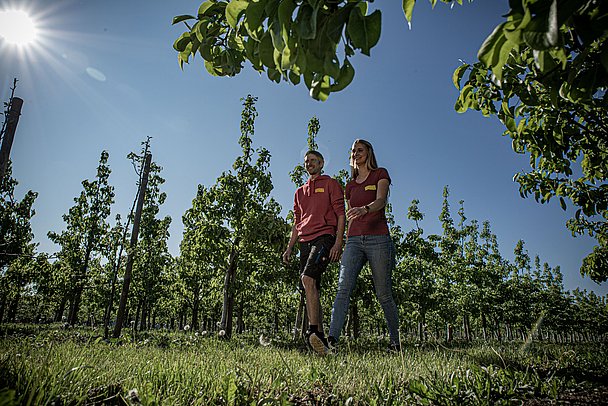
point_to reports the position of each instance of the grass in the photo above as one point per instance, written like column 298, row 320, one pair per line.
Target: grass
column 54, row 366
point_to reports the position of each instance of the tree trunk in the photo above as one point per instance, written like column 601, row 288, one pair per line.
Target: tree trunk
column 144, row 314
column 422, row 327
column 449, row 333
column 195, row 307
column 484, row 327
column 137, row 312
column 12, row 309
column 61, row 308
column 228, row 305
column 240, row 324
column 115, row 269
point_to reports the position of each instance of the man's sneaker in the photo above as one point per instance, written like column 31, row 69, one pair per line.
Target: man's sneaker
column 307, row 339
column 394, row 348
column 318, row 343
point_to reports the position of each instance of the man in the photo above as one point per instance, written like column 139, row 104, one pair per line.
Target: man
column 319, row 227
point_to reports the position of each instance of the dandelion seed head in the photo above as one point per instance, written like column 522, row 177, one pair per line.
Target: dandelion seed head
column 134, row 395
column 221, row 333
column 264, row 341
column 186, row 327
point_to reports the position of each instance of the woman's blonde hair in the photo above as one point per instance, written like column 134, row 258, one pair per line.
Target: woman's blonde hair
column 371, row 162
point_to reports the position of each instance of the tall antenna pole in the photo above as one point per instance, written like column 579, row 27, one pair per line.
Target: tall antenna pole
column 8, row 133
column 122, row 307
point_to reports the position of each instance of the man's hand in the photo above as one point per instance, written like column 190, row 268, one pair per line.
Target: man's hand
column 286, row 255
column 336, row 251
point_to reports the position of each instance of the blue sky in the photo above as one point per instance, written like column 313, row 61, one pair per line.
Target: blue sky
column 104, row 76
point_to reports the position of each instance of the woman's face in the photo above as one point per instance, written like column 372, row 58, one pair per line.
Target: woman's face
column 359, row 153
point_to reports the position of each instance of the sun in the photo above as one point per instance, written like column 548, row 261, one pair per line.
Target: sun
column 17, row 27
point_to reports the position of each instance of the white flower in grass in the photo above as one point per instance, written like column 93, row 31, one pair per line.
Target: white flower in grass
column 186, row 327
column 264, row 341
column 196, row 333
column 221, row 333
column 134, row 395
column 204, row 333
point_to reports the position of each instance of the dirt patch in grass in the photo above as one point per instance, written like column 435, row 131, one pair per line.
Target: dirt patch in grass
column 593, row 396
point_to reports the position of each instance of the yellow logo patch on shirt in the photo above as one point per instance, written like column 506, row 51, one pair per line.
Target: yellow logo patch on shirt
column 319, row 190
column 370, row 187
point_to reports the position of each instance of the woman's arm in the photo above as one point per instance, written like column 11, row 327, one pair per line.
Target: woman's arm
column 377, row 205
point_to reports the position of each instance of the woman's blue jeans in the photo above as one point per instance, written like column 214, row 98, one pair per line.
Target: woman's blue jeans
column 379, row 251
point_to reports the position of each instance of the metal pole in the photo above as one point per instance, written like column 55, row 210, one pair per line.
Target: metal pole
column 8, row 136
column 130, row 256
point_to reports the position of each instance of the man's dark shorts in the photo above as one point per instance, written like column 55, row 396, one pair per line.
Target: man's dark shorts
column 314, row 256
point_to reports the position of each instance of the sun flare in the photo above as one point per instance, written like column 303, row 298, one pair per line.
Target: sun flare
column 17, row 27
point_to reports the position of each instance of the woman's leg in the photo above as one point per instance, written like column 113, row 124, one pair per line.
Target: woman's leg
column 350, row 266
column 380, row 252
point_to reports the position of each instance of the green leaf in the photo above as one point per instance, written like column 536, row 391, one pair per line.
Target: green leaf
column 464, row 100
column 458, row 74
column 234, row 10
column 206, row 7
column 266, row 51
column 501, row 55
column 274, row 75
column 205, row 51
column 179, row 19
column 408, row 8
column 544, row 61
column 274, row 28
column 331, row 65
column 211, row 68
column 286, row 9
column 486, row 52
column 347, row 73
column 181, row 43
column 543, row 31
column 335, row 24
column 288, row 56
column 320, row 88
column 254, row 17
column 364, row 31
column 306, row 21
column 294, row 78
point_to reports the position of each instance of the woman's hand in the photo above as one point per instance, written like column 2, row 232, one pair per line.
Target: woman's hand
column 355, row 213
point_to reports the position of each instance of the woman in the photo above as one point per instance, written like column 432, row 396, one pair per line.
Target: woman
column 368, row 240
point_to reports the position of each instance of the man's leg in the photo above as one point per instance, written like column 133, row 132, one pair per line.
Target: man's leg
column 317, row 262
column 313, row 302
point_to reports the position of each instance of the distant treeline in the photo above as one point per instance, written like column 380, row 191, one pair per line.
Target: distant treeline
column 228, row 276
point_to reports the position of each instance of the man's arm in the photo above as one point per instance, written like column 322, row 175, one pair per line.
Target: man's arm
column 338, row 206
column 292, row 241
column 336, row 250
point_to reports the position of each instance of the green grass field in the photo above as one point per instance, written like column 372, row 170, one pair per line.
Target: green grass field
column 48, row 365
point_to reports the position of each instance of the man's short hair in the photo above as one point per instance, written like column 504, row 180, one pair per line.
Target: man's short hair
column 315, row 153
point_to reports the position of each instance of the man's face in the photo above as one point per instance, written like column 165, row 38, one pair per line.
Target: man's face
column 313, row 164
